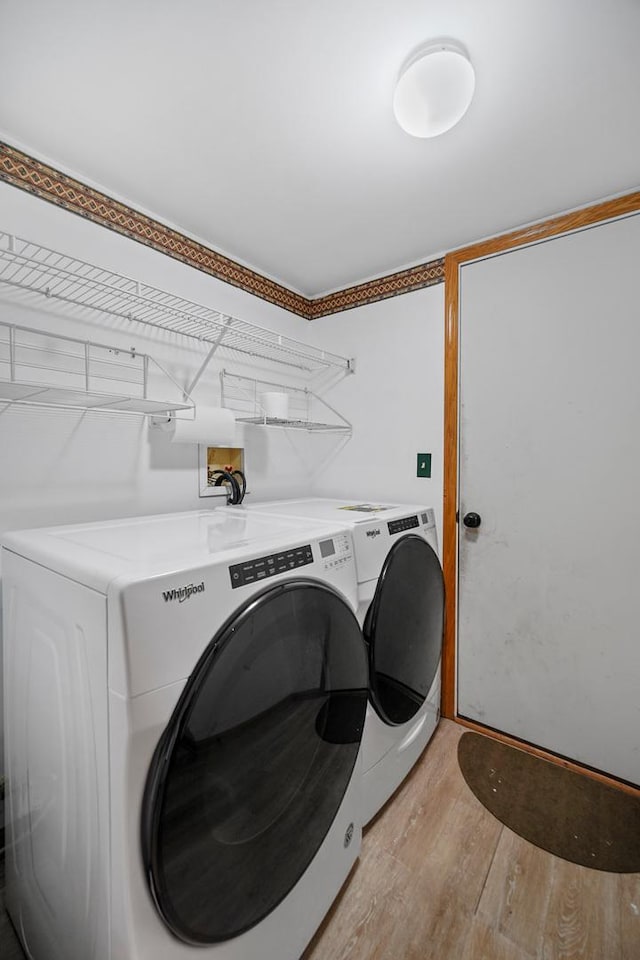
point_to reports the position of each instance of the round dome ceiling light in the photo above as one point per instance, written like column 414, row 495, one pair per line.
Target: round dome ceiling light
column 434, row 89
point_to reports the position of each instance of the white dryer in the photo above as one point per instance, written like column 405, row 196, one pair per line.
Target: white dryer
column 185, row 701
column 401, row 610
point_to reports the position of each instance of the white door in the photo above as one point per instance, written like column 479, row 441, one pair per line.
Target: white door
column 549, row 583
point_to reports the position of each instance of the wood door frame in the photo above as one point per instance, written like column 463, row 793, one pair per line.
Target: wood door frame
column 564, row 224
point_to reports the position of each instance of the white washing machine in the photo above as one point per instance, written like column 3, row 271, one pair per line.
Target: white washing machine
column 401, row 610
column 185, row 701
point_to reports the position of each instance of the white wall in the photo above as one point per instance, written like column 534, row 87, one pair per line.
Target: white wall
column 394, row 400
column 63, row 466
column 60, row 466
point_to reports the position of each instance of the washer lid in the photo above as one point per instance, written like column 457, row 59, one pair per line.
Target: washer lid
column 138, row 547
column 348, row 511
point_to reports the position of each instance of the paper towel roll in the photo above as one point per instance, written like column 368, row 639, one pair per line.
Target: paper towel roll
column 275, row 404
column 212, row 425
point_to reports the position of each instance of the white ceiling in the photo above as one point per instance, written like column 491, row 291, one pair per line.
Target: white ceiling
column 264, row 128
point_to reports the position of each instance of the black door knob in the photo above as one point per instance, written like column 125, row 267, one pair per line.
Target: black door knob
column 472, row 520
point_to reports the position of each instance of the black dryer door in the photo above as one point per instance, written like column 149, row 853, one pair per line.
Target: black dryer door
column 255, row 761
column 403, row 628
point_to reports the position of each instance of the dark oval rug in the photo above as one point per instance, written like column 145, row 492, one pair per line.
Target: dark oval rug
column 568, row 814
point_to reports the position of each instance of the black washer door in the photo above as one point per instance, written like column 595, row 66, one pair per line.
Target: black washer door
column 253, row 765
column 403, row 628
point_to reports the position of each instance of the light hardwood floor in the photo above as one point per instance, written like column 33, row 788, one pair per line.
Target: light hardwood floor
column 440, row 879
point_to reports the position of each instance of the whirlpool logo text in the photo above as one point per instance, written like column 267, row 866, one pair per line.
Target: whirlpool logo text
column 373, row 533
column 183, row 593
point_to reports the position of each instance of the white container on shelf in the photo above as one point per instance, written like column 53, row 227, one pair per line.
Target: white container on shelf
column 275, row 404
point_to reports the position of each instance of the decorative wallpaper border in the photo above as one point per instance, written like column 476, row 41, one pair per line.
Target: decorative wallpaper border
column 25, row 172
column 405, row 281
column 22, row 171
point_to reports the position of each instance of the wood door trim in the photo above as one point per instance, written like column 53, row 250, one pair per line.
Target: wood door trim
column 560, row 761
column 566, row 223
column 450, row 481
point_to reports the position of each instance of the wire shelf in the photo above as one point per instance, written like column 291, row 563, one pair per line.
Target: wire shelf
column 44, row 369
column 243, row 396
column 30, row 267
column 296, row 424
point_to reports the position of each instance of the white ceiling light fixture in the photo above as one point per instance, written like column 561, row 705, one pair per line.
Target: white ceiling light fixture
column 435, row 88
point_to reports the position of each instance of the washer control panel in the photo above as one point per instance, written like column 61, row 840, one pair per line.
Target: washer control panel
column 249, row 571
column 407, row 523
column 335, row 551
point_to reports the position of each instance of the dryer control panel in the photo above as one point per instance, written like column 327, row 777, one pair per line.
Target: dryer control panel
column 407, row 523
column 335, row 551
column 260, row 568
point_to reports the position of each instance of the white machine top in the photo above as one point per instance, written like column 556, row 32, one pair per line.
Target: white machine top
column 374, row 526
column 95, row 554
column 347, row 512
